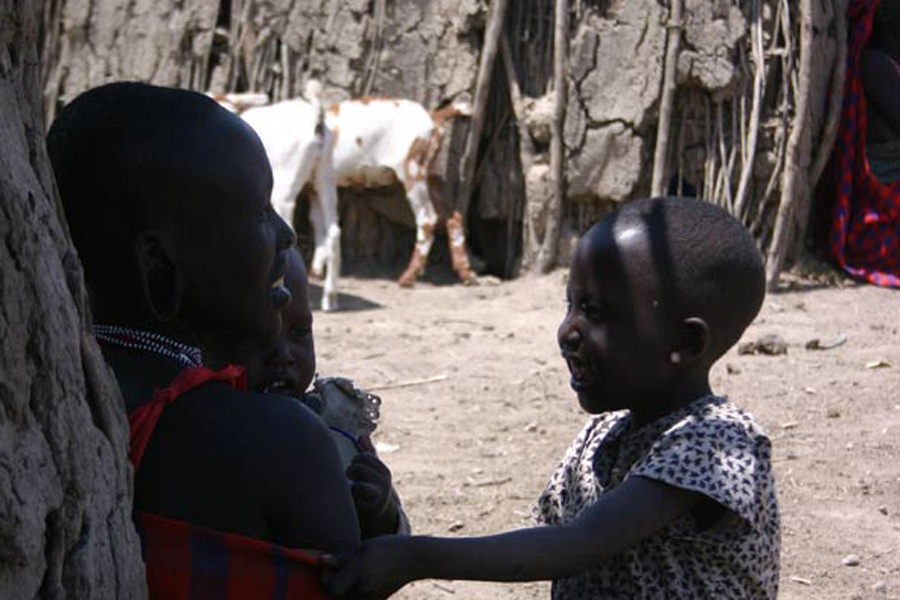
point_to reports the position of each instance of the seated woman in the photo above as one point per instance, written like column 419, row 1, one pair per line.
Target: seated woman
column 881, row 84
column 167, row 198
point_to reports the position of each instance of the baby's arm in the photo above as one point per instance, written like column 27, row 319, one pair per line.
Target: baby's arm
column 376, row 502
column 631, row 512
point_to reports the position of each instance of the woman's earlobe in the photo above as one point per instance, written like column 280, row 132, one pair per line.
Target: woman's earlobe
column 161, row 279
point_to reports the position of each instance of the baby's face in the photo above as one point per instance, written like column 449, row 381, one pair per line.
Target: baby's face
column 290, row 361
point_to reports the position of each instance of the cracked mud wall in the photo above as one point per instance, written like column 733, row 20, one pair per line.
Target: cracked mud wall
column 65, row 478
column 428, row 50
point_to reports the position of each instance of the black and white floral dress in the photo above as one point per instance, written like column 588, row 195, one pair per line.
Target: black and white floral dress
column 709, row 446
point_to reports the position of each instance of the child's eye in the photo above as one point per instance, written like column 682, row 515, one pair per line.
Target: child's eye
column 593, row 311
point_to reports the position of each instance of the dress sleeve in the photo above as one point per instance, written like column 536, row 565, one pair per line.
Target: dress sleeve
column 723, row 458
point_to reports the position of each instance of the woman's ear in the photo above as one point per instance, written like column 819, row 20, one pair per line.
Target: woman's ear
column 691, row 342
column 161, row 279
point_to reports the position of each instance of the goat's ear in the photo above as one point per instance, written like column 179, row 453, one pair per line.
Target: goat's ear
column 161, row 279
column 692, row 341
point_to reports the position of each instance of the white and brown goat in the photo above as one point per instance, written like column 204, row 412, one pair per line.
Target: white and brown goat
column 366, row 142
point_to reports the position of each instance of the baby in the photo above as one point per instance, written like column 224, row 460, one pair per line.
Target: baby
column 287, row 366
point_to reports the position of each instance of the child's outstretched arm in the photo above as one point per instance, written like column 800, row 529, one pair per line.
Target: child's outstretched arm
column 634, row 510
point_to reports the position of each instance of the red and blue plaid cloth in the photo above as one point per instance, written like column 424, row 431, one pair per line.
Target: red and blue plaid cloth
column 865, row 223
column 185, row 562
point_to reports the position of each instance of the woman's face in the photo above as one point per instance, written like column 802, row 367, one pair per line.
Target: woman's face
column 233, row 247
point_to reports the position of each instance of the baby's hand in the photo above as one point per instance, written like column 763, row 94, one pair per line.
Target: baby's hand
column 375, row 571
column 371, row 490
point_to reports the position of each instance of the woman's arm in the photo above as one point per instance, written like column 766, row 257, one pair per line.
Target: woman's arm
column 634, row 510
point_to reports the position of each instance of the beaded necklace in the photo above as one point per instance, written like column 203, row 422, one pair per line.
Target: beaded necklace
column 187, row 356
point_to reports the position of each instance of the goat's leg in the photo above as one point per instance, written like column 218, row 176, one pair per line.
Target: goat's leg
column 426, row 218
column 456, row 239
column 328, row 203
column 317, row 220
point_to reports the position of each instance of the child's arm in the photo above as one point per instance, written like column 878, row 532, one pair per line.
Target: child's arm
column 631, row 512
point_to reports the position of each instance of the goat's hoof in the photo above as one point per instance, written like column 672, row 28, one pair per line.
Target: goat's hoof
column 469, row 279
column 407, row 280
column 329, row 303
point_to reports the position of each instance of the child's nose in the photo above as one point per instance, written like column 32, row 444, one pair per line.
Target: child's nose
column 281, row 357
column 568, row 337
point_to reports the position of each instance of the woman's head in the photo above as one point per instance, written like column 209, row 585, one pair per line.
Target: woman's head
column 167, row 197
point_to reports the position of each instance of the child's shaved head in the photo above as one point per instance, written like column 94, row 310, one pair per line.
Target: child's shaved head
column 705, row 262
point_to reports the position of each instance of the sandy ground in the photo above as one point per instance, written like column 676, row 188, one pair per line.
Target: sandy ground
column 477, row 411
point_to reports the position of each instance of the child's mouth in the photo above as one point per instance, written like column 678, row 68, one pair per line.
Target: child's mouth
column 577, row 370
column 279, row 386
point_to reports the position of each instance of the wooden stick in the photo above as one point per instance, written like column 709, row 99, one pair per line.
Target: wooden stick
column 795, row 174
column 759, row 92
column 660, row 157
column 836, row 99
column 482, row 88
column 546, row 258
column 409, row 383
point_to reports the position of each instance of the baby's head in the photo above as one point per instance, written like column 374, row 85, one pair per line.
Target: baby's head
column 288, row 364
column 657, row 292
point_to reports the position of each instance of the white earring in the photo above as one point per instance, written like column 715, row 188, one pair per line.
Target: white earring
column 675, row 357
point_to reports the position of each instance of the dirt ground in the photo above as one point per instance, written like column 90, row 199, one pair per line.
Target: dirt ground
column 477, row 411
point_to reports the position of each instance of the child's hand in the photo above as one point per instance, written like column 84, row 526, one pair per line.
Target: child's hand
column 371, row 490
column 372, row 573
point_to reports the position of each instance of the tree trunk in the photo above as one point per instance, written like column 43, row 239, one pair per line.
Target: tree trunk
column 546, row 259
column 65, row 480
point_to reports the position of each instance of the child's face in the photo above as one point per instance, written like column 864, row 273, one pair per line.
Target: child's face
column 614, row 337
column 290, row 361
column 232, row 246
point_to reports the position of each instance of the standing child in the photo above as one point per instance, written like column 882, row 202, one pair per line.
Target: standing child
column 668, row 490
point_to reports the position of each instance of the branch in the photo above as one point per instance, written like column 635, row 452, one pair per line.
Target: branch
column 674, row 27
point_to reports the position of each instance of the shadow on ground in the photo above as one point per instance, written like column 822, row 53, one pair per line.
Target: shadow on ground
column 347, row 302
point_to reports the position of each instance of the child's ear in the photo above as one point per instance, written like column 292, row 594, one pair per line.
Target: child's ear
column 161, row 279
column 691, row 341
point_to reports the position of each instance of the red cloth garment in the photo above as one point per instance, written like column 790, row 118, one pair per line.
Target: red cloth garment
column 865, row 222
column 186, row 562
column 143, row 420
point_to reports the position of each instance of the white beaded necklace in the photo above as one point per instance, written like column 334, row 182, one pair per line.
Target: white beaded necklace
column 187, row 356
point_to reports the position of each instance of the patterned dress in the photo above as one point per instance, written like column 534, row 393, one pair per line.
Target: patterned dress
column 709, row 446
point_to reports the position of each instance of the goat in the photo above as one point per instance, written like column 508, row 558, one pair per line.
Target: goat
column 379, row 141
column 357, row 142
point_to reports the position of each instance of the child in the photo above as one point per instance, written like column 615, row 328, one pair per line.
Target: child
column 668, row 491
column 287, row 366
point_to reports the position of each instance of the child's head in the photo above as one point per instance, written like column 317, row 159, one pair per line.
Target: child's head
column 167, row 197
column 289, row 363
column 657, row 292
